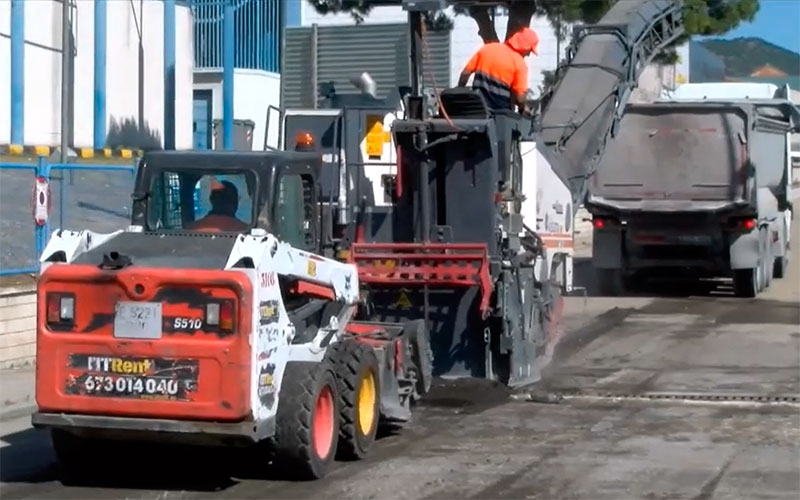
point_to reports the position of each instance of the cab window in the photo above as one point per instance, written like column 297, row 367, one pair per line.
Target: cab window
column 294, row 211
column 189, row 200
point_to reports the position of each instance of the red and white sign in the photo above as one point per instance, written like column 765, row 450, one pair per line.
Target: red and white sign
column 41, row 201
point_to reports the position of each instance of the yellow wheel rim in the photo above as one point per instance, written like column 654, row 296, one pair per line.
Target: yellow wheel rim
column 366, row 403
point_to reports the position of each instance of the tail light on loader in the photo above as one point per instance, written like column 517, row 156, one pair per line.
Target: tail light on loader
column 60, row 309
column 220, row 315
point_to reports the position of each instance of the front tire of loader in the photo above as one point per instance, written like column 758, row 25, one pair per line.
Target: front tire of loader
column 307, row 420
column 357, row 376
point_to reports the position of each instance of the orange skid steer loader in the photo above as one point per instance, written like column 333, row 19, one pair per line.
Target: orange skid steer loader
column 181, row 329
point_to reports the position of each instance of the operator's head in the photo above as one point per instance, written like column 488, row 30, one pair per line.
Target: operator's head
column 224, row 198
column 524, row 42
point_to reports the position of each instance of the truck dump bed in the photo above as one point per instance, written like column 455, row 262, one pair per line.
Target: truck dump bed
column 675, row 156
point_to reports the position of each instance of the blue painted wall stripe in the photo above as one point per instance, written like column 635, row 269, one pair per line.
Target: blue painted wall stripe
column 294, row 13
column 17, row 72
column 228, row 53
column 169, row 74
column 100, row 24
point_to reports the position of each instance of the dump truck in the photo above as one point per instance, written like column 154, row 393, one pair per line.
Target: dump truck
column 697, row 185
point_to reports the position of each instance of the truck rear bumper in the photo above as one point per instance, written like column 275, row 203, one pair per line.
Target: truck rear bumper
column 160, row 430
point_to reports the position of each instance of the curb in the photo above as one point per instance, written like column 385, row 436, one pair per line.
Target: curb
column 20, row 150
column 17, row 411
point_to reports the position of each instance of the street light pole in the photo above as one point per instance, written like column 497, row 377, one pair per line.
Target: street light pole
column 66, row 55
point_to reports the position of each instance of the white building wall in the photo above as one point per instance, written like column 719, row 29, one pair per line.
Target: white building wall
column 43, row 70
column 464, row 39
column 5, row 72
column 254, row 91
column 184, row 77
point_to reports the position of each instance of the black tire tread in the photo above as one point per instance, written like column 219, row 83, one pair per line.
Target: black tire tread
column 744, row 283
column 349, row 357
column 294, row 446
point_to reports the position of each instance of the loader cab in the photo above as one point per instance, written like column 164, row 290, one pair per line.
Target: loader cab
column 229, row 193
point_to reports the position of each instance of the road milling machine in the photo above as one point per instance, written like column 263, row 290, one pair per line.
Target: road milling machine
column 463, row 215
column 331, row 295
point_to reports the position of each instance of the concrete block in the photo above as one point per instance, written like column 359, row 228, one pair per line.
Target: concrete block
column 17, row 329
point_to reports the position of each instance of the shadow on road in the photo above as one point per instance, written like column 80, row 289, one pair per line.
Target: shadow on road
column 677, row 286
column 27, row 458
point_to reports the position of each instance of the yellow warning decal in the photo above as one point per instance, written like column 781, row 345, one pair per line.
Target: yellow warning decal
column 403, row 302
column 376, row 136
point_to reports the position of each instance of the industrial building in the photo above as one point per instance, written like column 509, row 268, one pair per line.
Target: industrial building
column 129, row 58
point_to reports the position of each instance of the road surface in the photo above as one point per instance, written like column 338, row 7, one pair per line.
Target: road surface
column 677, row 396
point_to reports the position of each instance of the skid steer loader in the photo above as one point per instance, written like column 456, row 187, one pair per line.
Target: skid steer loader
column 192, row 330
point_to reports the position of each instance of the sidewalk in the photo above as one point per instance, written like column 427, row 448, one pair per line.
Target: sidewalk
column 17, row 393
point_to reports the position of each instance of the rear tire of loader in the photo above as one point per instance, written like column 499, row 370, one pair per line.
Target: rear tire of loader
column 357, row 376
column 81, row 460
column 307, row 420
column 421, row 353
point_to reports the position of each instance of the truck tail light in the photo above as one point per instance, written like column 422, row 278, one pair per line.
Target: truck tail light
column 742, row 224
column 220, row 314
column 60, row 308
column 604, row 222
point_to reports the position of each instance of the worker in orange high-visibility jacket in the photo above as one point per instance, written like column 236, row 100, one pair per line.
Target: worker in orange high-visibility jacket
column 501, row 72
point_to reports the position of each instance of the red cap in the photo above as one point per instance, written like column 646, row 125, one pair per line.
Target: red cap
column 524, row 40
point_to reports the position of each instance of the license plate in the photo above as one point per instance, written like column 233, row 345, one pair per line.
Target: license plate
column 695, row 239
column 137, row 320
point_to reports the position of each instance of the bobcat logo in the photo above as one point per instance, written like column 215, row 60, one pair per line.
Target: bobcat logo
column 347, row 284
column 266, row 385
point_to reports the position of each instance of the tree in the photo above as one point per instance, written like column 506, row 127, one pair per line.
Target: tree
column 702, row 17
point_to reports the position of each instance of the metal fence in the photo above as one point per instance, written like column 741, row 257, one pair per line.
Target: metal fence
column 95, row 197
column 257, row 25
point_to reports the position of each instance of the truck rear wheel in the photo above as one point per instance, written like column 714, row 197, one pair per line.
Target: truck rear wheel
column 307, row 422
column 746, row 282
column 357, row 376
column 610, row 282
column 779, row 269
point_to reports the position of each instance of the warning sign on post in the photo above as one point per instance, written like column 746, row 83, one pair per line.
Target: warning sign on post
column 41, row 201
column 376, row 136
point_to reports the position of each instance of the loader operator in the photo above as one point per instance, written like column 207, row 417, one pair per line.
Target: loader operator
column 224, row 199
column 501, row 72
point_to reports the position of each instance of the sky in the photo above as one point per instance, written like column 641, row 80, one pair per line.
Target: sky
column 777, row 21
